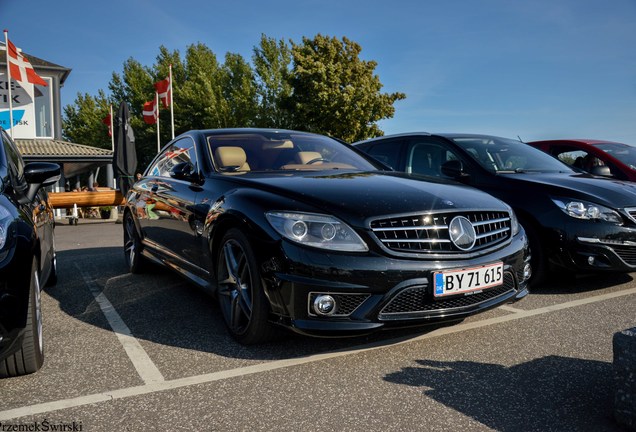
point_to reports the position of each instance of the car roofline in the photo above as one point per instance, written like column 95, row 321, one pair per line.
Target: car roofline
column 447, row 135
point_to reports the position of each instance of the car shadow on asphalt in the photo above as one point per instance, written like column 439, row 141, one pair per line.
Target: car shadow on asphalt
column 161, row 307
column 568, row 283
column 550, row 393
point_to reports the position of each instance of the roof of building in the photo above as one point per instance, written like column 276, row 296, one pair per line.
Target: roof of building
column 52, row 148
column 76, row 158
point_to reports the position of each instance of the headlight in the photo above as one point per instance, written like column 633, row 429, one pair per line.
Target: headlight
column 514, row 222
column 316, row 230
column 586, row 210
column 4, row 216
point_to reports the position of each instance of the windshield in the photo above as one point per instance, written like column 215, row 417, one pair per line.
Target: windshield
column 502, row 155
column 257, row 151
column 622, row 152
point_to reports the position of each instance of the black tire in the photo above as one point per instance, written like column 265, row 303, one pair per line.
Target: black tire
column 538, row 261
column 132, row 246
column 30, row 356
column 243, row 303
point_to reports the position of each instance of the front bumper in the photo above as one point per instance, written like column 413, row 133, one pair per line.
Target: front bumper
column 590, row 247
column 374, row 292
column 594, row 254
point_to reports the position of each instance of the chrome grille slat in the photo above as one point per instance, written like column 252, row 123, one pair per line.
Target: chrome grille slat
column 420, row 241
column 428, row 232
column 499, row 231
column 414, row 228
column 491, row 221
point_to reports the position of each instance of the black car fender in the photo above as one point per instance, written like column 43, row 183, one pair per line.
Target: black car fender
column 246, row 209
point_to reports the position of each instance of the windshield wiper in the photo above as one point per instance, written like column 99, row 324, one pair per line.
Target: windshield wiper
column 519, row 171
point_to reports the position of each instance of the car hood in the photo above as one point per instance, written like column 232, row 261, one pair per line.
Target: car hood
column 358, row 196
column 605, row 191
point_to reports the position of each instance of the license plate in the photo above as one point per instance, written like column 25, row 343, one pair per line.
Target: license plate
column 451, row 282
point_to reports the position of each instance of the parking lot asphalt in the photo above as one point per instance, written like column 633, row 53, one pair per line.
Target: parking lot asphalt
column 150, row 352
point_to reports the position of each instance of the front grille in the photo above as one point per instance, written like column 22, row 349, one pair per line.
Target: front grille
column 345, row 303
column 426, row 233
column 627, row 253
column 416, row 300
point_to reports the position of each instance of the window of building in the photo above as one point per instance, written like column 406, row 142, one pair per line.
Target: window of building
column 43, row 104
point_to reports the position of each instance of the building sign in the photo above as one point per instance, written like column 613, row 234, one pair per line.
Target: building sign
column 31, row 108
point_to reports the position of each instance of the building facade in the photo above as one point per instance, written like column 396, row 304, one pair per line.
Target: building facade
column 37, row 125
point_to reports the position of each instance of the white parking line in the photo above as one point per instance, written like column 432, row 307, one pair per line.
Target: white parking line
column 146, row 369
column 280, row 364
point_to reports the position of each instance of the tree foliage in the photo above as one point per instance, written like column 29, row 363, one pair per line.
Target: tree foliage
column 272, row 64
column 336, row 93
column 83, row 120
column 320, row 85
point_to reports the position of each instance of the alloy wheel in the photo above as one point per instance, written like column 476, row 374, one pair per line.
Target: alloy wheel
column 235, row 287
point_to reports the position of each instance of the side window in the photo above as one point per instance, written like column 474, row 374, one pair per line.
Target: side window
column 178, row 152
column 387, row 152
column 572, row 157
column 583, row 160
column 427, row 158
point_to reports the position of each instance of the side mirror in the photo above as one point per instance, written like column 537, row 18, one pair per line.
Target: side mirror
column 41, row 173
column 38, row 174
column 183, row 171
column 602, row 170
column 453, row 169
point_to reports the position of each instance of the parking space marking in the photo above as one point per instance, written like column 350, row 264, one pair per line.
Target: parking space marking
column 145, row 367
column 284, row 363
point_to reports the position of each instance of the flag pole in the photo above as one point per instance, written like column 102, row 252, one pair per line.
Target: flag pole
column 171, row 102
column 157, row 108
column 112, row 129
column 6, row 45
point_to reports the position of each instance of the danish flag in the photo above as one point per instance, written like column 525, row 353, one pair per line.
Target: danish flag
column 20, row 67
column 150, row 112
column 108, row 120
column 165, row 93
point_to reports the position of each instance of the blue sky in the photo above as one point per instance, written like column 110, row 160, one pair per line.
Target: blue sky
column 535, row 69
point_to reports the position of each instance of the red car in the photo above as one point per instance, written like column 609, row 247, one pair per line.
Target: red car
column 604, row 158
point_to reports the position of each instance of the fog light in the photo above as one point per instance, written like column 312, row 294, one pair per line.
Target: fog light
column 324, row 305
column 527, row 272
column 590, row 260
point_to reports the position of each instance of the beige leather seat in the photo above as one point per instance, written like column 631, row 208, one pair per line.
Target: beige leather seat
column 304, row 157
column 231, row 159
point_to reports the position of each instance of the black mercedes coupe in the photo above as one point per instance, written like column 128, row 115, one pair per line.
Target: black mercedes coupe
column 574, row 221
column 299, row 230
column 27, row 257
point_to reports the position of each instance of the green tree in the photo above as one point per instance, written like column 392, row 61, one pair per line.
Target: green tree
column 272, row 65
column 136, row 88
column 82, row 122
column 201, row 100
column 335, row 92
column 320, row 85
column 239, row 88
